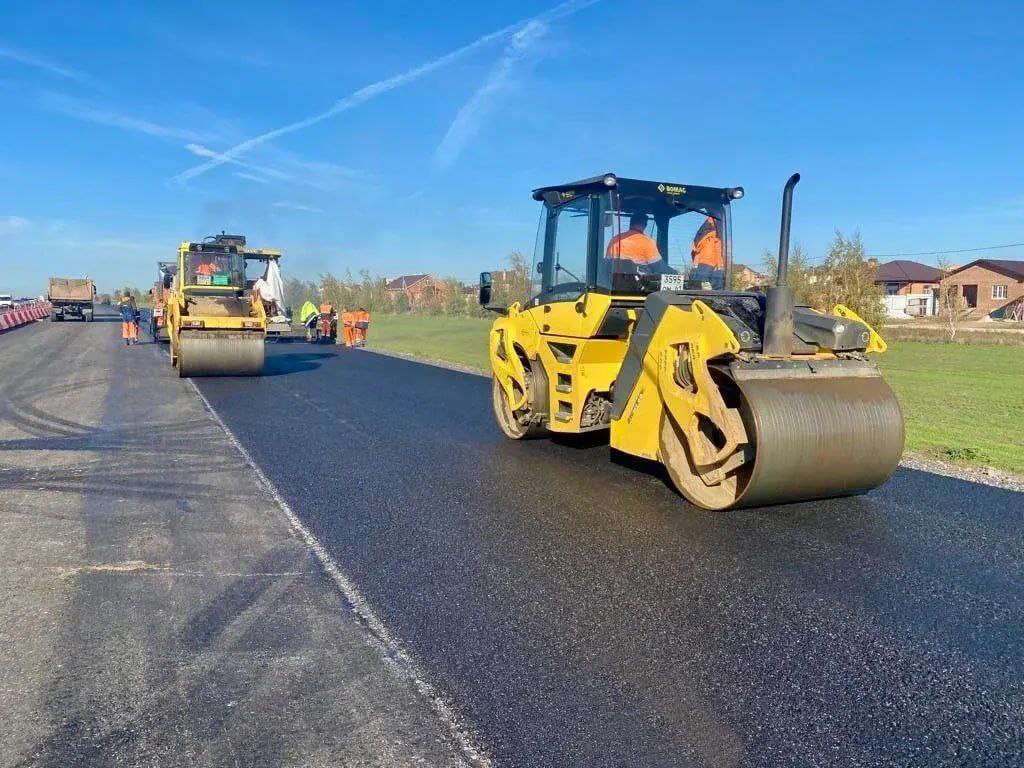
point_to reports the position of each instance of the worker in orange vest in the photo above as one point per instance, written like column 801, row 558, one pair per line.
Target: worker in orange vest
column 362, row 324
column 637, row 246
column 328, row 322
column 708, row 261
column 348, row 322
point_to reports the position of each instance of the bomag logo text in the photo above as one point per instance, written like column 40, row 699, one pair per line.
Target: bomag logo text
column 671, row 189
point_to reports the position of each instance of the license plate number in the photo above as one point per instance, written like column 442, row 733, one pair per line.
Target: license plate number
column 673, row 282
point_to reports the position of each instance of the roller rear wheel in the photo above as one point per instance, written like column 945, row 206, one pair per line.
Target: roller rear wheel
column 511, row 422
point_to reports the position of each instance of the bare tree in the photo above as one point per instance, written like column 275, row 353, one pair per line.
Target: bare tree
column 950, row 299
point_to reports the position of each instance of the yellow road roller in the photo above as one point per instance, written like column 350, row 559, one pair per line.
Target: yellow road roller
column 216, row 327
column 746, row 398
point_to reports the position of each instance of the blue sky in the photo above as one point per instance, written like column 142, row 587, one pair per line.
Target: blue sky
column 413, row 132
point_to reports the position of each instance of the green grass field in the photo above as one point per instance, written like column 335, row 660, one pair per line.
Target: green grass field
column 461, row 340
column 962, row 403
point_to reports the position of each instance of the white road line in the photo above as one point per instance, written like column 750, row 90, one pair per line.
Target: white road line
column 391, row 650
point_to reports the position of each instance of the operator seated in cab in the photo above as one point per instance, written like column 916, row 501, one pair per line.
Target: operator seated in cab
column 708, row 262
column 637, row 246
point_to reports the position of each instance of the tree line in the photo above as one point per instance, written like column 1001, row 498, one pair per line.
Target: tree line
column 844, row 275
column 449, row 297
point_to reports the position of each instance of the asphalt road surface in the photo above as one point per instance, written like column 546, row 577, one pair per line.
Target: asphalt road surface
column 577, row 612
column 156, row 607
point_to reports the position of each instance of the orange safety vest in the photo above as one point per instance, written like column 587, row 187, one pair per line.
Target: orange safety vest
column 707, row 246
column 348, row 319
column 326, row 307
column 634, row 246
column 205, row 269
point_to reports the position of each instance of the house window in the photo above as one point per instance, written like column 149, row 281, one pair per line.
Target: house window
column 998, row 291
column 891, row 289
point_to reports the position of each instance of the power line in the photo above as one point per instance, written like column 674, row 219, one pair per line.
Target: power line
column 941, row 253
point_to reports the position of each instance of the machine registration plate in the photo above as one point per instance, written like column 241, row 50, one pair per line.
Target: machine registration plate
column 673, row 282
column 202, row 279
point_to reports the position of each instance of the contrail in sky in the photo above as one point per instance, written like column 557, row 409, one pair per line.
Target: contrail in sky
column 467, row 121
column 39, row 62
column 199, row 149
column 368, row 92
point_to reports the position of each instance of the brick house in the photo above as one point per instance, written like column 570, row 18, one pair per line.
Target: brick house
column 744, row 278
column 988, row 285
column 901, row 278
column 417, row 288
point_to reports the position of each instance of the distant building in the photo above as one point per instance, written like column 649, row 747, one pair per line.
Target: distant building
column 988, row 286
column 744, row 278
column 902, row 278
column 417, row 288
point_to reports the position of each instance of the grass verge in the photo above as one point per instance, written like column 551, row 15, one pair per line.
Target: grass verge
column 963, row 403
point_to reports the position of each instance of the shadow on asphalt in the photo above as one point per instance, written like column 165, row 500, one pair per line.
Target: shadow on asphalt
column 294, row 362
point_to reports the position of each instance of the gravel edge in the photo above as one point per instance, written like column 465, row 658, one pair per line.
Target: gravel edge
column 911, row 460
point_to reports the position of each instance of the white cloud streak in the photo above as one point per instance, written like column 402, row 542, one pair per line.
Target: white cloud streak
column 467, row 122
column 296, row 207
column 36, row 61
column 368, row 92
column 252, row 177
column 201, row 151
column 80, row 110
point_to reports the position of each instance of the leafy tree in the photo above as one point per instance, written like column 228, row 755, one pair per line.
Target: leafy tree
column 297, row 292
column 512, row 284
column 400, row 303
column 851, row 280
column 799, row 276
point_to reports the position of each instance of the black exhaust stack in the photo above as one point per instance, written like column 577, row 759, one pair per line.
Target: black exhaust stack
column 778, row 318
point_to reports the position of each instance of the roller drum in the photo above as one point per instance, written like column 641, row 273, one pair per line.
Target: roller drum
column 816, row 430
column 220, row 353
column 818, row 436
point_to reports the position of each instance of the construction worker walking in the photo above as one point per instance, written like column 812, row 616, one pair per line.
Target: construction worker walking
column 348, row 323
column 362, row 325
column 129, row 321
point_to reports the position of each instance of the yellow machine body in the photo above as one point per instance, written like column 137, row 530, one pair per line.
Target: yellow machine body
column 679, row 376
column 214, row 326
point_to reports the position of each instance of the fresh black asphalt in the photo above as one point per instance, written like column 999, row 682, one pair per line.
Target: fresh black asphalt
column 578, row 613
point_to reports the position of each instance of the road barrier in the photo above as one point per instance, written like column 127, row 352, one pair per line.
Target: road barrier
column 26, row 313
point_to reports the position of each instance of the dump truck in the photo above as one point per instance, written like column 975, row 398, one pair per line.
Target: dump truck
column 217, row 325
column 744, row 397
column 71, row 297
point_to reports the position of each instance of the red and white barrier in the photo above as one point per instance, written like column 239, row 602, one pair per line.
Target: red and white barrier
column 26, row 313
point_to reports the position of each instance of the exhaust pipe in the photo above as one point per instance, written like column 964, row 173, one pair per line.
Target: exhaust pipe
column 778, row 318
